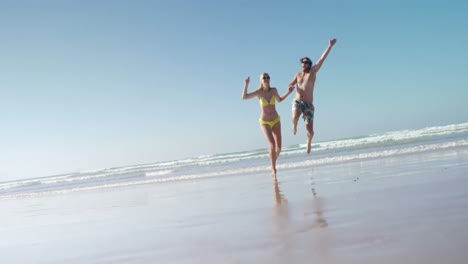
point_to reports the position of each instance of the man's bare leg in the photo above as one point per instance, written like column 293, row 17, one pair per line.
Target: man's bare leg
column 310, row 134
column 295, row 119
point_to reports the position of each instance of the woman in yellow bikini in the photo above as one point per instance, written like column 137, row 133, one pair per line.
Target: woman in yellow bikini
column 269, row 118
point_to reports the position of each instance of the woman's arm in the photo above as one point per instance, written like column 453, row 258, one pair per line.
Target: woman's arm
column 281, row 98
column 245, row 94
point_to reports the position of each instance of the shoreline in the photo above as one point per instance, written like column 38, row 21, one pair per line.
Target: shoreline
column 410, row 209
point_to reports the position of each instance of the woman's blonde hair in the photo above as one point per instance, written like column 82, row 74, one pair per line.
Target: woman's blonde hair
column 261, row 79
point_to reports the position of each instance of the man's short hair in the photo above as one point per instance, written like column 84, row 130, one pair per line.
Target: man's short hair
column 306, row 59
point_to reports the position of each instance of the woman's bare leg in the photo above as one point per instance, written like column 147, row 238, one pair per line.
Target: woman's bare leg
column 267, row 131
column 276, row 131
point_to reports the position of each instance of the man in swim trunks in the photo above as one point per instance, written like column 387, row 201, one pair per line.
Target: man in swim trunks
column 303, row 102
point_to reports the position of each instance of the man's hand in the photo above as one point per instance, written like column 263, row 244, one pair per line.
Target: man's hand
column 332, row 42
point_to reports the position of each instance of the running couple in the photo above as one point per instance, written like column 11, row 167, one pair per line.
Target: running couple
column 302, row 104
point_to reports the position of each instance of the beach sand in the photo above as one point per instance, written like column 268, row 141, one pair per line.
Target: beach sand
column 400, row 209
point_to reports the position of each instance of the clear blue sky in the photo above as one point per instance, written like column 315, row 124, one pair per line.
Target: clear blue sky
column 94, row 84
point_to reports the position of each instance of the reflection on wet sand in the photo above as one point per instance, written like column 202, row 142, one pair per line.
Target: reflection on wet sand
column 279, row 197
column 299, row 222
column 317, row 204
column 282, row 209
column 282, row 232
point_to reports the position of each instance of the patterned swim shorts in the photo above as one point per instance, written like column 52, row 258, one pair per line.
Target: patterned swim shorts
column 306, row 108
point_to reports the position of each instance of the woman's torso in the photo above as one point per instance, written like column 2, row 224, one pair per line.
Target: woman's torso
column 267, row 103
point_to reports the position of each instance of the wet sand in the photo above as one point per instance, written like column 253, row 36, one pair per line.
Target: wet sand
column 402, row 209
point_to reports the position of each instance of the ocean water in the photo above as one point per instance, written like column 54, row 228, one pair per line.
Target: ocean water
column 247, row 162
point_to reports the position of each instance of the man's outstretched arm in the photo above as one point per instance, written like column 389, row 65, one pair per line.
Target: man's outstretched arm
column 324, row 55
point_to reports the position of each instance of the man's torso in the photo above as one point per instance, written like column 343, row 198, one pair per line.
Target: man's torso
column 305, row 86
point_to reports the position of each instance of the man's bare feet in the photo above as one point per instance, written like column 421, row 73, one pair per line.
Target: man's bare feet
column 294, row 129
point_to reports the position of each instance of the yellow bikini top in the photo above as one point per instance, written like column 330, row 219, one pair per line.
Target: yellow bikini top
column 264, row 101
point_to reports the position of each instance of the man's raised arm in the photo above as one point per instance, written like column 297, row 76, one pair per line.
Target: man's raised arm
column 324, row 55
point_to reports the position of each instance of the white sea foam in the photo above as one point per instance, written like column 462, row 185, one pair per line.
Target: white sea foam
column 237, row 171
column 158, row 173
column 324, row 153
column 376, row 154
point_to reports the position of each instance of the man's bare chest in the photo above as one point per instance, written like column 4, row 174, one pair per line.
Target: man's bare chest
column 305, row 80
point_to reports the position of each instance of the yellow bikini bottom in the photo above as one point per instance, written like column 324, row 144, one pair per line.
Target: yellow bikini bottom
column 270, row 123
